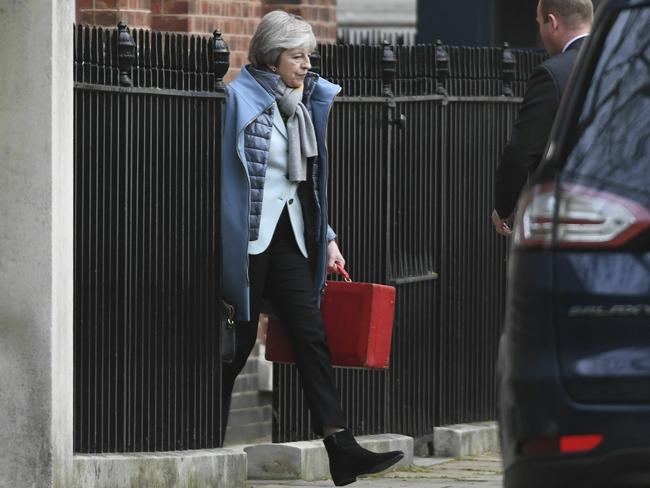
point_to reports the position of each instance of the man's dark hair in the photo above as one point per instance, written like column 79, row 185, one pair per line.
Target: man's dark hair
column 573, row 13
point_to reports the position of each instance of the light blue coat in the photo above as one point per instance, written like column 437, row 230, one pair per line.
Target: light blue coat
column 246, row 101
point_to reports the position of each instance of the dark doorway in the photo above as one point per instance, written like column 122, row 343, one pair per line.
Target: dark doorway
column 459, row 23
column 516, row 24
column 478, row 22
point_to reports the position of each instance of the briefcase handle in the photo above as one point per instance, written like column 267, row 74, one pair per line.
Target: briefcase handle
column 344, row 273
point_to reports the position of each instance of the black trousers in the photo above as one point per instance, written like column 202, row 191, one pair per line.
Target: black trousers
column 283, row 276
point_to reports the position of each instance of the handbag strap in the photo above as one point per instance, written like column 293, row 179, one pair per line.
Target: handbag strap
column 228, row 313
column 346, row 275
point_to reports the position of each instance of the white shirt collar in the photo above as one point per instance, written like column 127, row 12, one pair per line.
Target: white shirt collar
column 573, row 40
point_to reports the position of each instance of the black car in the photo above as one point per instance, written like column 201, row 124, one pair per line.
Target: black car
column 574, row 360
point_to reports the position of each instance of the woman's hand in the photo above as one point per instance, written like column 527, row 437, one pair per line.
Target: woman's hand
column 500, row 225
column 334, row 256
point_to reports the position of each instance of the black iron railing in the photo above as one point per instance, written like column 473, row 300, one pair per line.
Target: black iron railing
column 147, row 141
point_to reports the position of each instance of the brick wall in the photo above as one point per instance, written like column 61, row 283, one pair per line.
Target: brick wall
column 236, row 19
column 321, row 14
column 107, row 13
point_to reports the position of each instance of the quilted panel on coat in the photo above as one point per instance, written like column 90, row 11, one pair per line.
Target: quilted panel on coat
column 257, row 142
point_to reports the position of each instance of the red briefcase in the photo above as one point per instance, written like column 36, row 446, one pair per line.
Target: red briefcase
column 358, row 321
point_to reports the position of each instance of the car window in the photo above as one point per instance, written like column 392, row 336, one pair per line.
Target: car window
column 612, row 150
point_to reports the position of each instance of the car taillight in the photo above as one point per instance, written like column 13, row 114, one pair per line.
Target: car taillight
column 580, row 443
column 585, row 218
column 566, row 444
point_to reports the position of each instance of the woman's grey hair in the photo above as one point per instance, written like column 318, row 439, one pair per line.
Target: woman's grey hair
column 277, row 32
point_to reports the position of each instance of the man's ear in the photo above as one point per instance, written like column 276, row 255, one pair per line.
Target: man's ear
column 553, row 20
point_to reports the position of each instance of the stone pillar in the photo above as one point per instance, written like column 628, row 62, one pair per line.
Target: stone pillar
column 36, row 243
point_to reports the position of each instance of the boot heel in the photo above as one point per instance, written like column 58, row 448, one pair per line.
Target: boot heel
column 343, row 482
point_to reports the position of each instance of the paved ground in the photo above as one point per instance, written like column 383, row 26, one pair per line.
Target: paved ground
column 482, row 471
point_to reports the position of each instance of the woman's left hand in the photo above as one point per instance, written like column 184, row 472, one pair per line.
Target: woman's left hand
column 334, row 256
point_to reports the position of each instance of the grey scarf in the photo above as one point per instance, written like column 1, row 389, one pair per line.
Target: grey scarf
column 300, row 129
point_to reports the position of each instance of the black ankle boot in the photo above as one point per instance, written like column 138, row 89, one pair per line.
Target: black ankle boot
column 349, row 460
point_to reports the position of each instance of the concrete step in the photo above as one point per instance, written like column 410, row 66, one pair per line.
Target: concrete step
column 251, row 366
column 255, row 415
column 466, row 439
column 224, row 468
column 249, row 434
column 246, row 382
column 248, row 399
column 307, row 460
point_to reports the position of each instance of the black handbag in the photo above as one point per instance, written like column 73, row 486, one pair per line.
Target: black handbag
column 228, row 336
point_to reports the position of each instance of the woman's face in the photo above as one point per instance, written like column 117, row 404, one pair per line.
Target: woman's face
column 293, row 66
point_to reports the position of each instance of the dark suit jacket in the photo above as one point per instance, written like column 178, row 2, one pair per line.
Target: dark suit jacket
column 522, row 154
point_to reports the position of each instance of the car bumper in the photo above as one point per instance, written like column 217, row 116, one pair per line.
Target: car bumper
column 624, row 468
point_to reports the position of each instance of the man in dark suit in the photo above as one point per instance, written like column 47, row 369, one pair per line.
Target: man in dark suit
column 563, row 26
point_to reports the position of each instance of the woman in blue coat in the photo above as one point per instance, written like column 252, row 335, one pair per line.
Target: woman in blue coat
column 277, row 244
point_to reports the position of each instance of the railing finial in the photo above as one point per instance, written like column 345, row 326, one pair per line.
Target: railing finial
column 442, row 68
column 508, row 64
column 125, row 53
column 221, row 60
column 388, row 68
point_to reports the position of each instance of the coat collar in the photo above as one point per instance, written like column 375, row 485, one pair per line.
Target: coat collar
column 325, row 91
column 575, row 43
column 257, row 99
column 254, row 95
